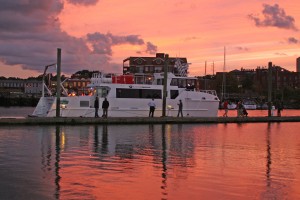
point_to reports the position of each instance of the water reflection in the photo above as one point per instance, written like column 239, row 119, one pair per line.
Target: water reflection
column 57, row 160
column 104, row 147
column 180, row 161
column 269, row 162
column 164, row 163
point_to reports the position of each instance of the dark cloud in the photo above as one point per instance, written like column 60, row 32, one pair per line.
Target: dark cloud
column 151, row 48
column 274, row 16
column 30, row 34
column 102, row 43
column 83, row 2
column 292, row 40
column 242, row 48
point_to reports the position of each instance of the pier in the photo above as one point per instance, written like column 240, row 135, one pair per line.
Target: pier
column 36, row 121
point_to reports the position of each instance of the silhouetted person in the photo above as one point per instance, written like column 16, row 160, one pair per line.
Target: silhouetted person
column 225, row 106
column 96, row 106
column 245, row 113
column 152, row 106
column 180, row 108
column 105, row 105
column 279, row 108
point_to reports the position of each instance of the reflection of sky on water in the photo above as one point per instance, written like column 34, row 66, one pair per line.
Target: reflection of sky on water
column 218, row 161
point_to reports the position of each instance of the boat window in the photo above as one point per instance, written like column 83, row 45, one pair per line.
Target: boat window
column 84, row 104
column 160, row 81
column 174, row 82
column 138, row 93
column 102, row 91
column 174, row 94
column 181, row 83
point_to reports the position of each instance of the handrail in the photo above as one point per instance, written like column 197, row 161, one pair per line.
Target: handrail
column 213, row 92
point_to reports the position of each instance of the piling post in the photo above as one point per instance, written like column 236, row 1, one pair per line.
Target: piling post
column 165, row 85
column 58, row 82
column 269, row 89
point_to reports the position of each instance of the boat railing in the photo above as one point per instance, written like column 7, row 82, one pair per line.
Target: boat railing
column 212, row 92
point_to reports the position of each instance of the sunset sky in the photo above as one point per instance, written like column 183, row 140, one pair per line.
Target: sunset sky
column 99, row 34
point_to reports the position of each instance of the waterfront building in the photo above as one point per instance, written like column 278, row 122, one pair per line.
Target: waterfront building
column 79, row 86
column 73, row 86
column 33, row 86
column 11, row 85
column 281, row 78
column 149, row 65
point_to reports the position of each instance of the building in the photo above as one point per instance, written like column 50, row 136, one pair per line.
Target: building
column 281, row 78
column 146, row 66
column 298, row 64
column 12, row 85
column 77, row 86
column 33, row 86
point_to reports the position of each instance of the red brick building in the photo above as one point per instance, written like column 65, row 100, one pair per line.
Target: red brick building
column 150, row 65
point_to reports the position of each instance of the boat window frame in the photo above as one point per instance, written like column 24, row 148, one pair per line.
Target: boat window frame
column 138, row 93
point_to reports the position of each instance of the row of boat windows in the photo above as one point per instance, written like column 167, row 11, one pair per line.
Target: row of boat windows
column 135, row 93
column 181, row 83
column 143, row 93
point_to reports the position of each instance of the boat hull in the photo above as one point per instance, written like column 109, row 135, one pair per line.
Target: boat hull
column 133, row 108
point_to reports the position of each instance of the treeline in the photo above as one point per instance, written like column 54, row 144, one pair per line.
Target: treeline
column 18, row 101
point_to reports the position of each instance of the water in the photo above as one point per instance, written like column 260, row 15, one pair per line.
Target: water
column 25, row 111
column 189, row 161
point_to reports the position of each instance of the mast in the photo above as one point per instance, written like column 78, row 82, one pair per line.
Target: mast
column 213, row 67
column 205, row 77
column 224, row 77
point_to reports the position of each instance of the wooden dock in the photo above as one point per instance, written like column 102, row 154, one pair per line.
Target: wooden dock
column 141, row 120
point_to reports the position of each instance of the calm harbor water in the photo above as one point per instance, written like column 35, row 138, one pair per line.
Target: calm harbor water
column 188, row 161
column 25, row 111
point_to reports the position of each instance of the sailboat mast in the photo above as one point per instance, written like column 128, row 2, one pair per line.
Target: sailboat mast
column 205, row 77
column 224, row 76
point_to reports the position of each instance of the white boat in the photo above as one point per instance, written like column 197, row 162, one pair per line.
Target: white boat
column 131, row 100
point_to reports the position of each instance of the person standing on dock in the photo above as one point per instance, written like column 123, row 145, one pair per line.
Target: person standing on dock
column 96, row 106
column 279, row 108
column 152, row 106
column 180, row 108
column 105, row 105
column 225, row 108
column 239, row 109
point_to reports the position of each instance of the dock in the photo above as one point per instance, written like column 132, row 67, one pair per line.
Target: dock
column 37, row 121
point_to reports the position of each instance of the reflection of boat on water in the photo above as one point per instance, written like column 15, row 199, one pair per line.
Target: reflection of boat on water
column 128, row 99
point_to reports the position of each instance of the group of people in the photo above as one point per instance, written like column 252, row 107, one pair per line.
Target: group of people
column 241, row 110
column 105, row 105
column 152, row 106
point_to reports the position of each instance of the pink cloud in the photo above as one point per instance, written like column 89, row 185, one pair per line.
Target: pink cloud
column 30, row 33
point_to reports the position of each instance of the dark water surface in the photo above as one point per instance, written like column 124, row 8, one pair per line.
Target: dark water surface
column 215, row 161
column 25, row 111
